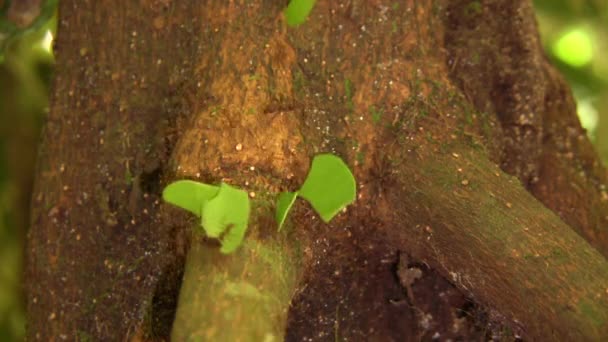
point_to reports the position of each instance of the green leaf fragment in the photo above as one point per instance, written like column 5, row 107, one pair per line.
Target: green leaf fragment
column 329, row 186
column 284, row 203
column 297, row 11
column 233, row 238
column 224, row 210
column 189, row 195
column 226, row 217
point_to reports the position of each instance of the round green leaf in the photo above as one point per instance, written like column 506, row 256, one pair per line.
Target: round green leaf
column 329, row 186
column 189, row 195
column 284, row 203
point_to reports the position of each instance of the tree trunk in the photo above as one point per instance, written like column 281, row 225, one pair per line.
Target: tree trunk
column 480, row 207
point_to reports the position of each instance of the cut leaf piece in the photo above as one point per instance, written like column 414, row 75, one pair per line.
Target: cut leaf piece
column 233, row 237
column 227, row 214
column 329, row 186
column 189, row 195
column 284, row 203
column 297, row 11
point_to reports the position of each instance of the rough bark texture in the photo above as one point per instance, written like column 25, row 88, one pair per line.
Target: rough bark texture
column 422, row 99
column 98, row 246
column 498, row 62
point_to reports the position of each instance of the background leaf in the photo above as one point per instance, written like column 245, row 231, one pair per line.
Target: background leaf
column 189, row 195
column 297, row 11
column 284, row 203
column 329, row 186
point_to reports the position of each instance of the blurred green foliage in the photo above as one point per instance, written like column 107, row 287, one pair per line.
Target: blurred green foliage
column 26, row 65
column 11, row 31
column 575, row 35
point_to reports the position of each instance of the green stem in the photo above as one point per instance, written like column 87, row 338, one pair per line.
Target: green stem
column 241, row 296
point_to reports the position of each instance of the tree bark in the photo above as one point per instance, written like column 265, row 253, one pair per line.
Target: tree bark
column 424, row 100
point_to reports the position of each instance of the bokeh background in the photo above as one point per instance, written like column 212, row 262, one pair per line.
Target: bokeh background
column 574, row 33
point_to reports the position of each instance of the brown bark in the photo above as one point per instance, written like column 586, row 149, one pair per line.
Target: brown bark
column 418, row 97
column 542, row 141
column 98, row 247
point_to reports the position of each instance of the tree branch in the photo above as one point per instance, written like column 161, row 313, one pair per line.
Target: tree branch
column 495, row 241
